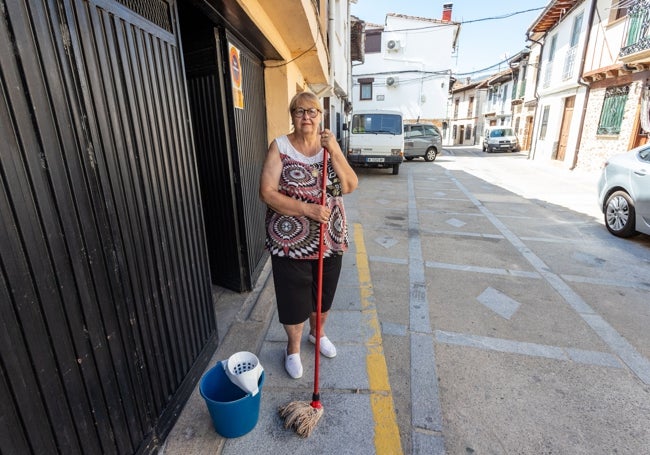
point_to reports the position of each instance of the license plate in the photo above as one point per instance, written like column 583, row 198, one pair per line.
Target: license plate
column 374, row 160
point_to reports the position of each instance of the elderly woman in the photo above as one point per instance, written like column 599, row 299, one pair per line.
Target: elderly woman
column 290, row 185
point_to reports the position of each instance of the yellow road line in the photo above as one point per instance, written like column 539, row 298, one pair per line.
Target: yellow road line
column 387, row 440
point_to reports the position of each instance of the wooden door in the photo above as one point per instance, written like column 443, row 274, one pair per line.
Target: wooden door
column 640, row 137
column 528, row 133
column 569, row 103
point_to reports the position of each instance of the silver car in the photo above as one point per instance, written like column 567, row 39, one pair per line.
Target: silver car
column 624, row 192
column 422, row 139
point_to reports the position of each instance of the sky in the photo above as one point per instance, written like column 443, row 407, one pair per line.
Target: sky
column 480, row 44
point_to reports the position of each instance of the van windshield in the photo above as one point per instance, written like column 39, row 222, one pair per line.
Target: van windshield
column 376, row 124
column 501, row 132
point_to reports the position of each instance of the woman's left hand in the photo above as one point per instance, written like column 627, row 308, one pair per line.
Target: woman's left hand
column 326, row 138
column 339, row 161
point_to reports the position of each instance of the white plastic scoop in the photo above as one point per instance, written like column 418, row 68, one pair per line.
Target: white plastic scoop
column 244, row 370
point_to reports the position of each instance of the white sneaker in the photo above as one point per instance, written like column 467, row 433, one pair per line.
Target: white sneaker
column 293, row 365
column 326, row 346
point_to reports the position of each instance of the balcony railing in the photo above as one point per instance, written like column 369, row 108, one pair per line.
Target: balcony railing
column 638, row 35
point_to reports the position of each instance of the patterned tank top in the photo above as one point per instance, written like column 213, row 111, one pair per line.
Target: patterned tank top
column 297, row 237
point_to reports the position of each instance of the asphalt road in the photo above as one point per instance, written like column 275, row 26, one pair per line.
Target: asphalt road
column 512, row 321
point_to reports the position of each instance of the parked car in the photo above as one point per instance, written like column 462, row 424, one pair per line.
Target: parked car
column 498, row 138
column 624, row 192
column 422, row 139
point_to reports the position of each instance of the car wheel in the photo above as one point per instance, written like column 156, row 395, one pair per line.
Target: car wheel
column 430, row 155
column 395, row 169
column 408, row 158
column 620, row 214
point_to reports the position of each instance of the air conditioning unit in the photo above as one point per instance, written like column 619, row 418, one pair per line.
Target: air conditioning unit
column 392, row 81
column 393, row 45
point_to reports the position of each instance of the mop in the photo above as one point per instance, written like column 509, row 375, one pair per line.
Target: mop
column 303, row 416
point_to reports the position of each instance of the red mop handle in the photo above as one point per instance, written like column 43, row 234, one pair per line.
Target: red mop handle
column 319, row 284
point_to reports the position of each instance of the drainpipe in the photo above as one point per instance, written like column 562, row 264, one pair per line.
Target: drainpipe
column 539, row 72
column 584, row 84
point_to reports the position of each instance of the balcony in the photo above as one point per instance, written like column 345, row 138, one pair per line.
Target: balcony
column 637, row 45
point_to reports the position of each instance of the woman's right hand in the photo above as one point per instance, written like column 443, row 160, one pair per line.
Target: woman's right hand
column 318, row 213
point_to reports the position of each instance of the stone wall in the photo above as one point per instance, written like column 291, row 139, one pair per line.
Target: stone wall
column 595, row 149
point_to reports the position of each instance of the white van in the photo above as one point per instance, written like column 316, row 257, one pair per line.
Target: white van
column 376, row 139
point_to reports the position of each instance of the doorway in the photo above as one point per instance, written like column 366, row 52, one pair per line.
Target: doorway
column 569, row 103
column 230, row 143
column 528, row 132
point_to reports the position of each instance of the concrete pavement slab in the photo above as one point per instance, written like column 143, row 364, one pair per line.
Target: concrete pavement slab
column 507, row 403
column 343, row 429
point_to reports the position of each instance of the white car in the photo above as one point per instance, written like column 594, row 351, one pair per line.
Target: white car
column 499, row 138
column 624, row 192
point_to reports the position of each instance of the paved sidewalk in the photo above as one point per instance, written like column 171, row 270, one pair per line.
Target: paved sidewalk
column 355, row 393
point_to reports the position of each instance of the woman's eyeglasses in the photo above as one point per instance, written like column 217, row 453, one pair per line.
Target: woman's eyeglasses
column 313, row 112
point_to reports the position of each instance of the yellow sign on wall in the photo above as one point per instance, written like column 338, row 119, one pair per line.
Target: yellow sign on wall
column 236, row 77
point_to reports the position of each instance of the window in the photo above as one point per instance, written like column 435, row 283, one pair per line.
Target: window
column 416, row 131
column 544, row 125
column 365, row 88
column 575, row 33
column 639, row 29
column 611, row 116
column 617, row 11
column 456, row 104
column 430, row 131
column 468, row 132
column 570, row 58
column 373, row 41
column 551, row 49
column 501, row 132
column 377, row 123
column 454, row 132
column 470, row 106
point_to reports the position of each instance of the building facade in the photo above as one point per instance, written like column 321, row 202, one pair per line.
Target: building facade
column 617, row 69
column 402, row 71
column 593, row 80
column 465, row 121
column 562, row 31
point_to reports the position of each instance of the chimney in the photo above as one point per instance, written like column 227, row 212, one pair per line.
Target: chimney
column 446, row 11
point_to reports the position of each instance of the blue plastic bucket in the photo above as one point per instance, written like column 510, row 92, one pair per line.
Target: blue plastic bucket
column 234, row 412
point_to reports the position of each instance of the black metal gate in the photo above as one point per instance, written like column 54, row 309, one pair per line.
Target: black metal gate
column 105, row 302
column 251, row 147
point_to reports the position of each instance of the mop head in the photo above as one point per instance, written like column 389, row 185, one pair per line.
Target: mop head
column 301, row 416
